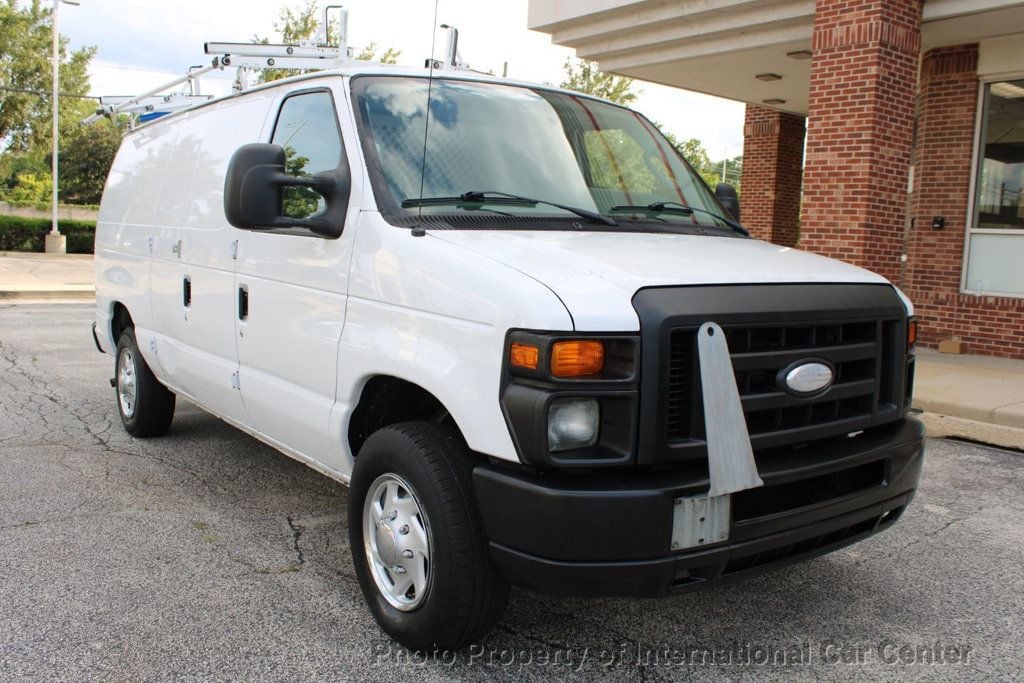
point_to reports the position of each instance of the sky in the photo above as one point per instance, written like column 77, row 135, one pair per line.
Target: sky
column 143, row 43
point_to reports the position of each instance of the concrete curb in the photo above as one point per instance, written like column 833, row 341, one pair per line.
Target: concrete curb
column 983, row 432
column 1010, row 416
column 26, row 295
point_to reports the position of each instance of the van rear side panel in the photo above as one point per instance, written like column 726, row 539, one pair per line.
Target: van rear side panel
column 162, row 236
column 125, row 227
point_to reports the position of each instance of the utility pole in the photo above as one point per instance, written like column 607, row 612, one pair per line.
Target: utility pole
column 56, row 243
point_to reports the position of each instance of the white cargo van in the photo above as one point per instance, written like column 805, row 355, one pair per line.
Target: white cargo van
column 517, row 324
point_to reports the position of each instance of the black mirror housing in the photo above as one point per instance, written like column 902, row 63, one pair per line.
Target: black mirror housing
column 253, row 192
column 728, row 198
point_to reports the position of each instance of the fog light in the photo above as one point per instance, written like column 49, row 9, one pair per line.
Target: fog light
column 573, row 423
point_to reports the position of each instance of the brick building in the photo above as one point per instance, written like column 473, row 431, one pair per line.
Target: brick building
column 889, row 133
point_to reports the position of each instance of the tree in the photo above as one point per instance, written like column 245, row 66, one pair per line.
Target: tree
column 298, row 202
column 370, row 53
column 25, row 80
column 732, row 169
column 31, row 189
column 583, row 76
column 296, row 24
column 693, row 151
column 85, row 160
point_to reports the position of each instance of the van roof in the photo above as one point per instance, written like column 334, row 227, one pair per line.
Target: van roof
column 372, row 69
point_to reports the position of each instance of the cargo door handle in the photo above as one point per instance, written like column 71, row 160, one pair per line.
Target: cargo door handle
column 186, row 291
column 243, row 302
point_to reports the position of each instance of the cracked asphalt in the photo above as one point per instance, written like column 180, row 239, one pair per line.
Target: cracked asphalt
column 207, row 555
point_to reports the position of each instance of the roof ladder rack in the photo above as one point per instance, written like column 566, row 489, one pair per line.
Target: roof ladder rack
column 312, row 54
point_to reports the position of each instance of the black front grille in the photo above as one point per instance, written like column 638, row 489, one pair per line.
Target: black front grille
column 858, row 329
column 856, row 350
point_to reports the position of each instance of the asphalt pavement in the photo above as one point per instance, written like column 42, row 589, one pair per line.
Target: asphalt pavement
column 207, row 555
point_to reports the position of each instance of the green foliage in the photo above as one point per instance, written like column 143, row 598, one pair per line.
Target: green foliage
column 14, row 164
column 25, row 104
column 733, row 170
column 711, row 172
column 583, row 76
column 29, row 234
column 371, row 53
column 298, row 202
column 296, row 24
column 31, row 189
column 85, row 160
column 617, row 162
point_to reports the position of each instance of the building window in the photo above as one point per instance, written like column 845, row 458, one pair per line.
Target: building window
column 995, row 263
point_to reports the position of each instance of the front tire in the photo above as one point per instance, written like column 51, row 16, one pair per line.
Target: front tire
column 145, row 405
column 418, row 545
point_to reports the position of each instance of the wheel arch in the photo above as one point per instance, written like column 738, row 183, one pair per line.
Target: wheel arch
column 120, row 320
column 385, row 400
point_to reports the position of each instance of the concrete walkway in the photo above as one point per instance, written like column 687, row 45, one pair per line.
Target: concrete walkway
column 971, row 397
column 36, row 277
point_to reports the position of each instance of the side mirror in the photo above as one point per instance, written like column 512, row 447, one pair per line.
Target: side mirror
column 728, row 198
column 253, row 189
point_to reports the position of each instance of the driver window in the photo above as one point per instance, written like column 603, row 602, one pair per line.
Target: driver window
column 307, row 128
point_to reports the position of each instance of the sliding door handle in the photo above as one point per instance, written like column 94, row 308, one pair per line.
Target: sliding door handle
column 243, row 302
column 186, row 291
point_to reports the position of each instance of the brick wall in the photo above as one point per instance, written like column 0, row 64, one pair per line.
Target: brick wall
column 943, row 159
column 773, row 154
column 860, row 130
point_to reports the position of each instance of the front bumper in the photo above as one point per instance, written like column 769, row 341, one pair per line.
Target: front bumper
column 609, row 533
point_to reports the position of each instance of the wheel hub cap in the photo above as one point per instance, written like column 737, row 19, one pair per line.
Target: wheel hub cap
column 386, row 547
column 127, row 390
column 396, row 539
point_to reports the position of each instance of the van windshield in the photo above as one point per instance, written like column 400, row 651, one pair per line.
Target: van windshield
column 549, row 146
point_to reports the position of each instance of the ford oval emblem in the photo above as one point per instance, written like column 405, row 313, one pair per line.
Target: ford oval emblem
column 806, row 378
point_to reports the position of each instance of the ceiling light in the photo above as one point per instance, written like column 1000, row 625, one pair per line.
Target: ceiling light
column 800, row 54
column 768, row 77
column 1009, row 91
column 774, row 100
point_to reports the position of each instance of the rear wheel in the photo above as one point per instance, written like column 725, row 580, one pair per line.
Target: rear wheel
column 417, row 542
column 146, row 406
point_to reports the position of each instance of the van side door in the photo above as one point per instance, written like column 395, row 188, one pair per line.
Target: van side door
column 193, row 247
column 291, row 290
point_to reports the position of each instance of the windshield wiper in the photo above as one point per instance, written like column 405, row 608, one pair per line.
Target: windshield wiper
column 676, row 207
column 493, row 197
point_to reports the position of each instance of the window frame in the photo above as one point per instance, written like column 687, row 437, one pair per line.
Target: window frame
column 972, row 198
column 343, row 169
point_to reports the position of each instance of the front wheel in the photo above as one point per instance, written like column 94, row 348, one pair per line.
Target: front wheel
column 417, row 542
column 146, row 406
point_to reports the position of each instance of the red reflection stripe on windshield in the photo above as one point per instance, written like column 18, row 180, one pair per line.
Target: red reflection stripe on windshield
column 664, row 158
column 607, row 147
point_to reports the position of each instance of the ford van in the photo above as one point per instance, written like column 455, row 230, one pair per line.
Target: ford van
column 539, row 350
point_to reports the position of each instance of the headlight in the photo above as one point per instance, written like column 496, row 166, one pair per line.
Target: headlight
column 573, row 423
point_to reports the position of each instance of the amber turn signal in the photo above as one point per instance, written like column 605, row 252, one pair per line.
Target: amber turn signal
column 524, row 356
column 577, row 358
column 911, row 333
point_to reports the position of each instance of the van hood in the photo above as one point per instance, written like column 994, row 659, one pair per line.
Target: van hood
column 596, row 274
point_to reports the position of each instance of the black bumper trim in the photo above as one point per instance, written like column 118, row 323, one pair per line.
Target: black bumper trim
column 96, row 339
column 608, row 532
column 697, row 570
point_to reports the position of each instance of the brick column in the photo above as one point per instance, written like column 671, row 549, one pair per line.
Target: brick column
column 943, row 157
column 860, row 130
column 773, row 156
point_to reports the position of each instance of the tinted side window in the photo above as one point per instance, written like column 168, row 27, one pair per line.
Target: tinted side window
column 307, row 128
